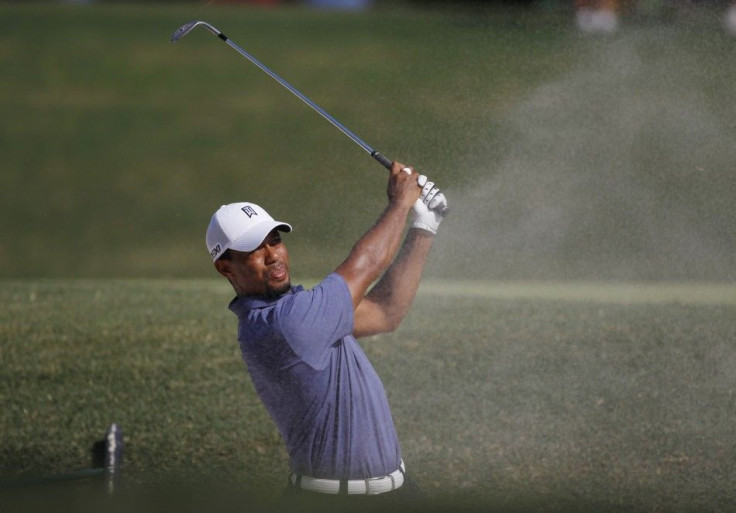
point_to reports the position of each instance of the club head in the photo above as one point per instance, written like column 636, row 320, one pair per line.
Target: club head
column 188, row 27
column 183, row 31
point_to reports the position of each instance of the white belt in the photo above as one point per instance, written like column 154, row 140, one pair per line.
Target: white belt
column 370, row 486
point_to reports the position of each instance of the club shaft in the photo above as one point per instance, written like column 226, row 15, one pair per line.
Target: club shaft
column 360, row 142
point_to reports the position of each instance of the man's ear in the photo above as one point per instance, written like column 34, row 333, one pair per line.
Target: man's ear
column 223, row 267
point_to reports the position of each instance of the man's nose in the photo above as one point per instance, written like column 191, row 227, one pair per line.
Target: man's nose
column 270, row 253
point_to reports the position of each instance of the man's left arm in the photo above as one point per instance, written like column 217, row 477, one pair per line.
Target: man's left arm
column 385, row 306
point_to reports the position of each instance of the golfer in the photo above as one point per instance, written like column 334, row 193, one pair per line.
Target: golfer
column 300, row 346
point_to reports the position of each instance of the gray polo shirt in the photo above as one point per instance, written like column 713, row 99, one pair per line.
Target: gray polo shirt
column 317, row 383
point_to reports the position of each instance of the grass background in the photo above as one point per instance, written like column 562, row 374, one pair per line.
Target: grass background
column 605, row 163
column 589, row 402
column 564, row 157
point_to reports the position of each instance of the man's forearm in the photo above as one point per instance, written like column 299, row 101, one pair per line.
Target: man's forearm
column 373, row 252
column 395, row 291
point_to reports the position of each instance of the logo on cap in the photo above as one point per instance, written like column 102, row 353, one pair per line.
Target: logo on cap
column 249, row 211
column 215, row 251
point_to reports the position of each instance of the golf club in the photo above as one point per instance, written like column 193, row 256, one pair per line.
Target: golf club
column 188, row 27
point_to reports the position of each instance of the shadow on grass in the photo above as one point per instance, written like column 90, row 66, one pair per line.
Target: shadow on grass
column 209, row 497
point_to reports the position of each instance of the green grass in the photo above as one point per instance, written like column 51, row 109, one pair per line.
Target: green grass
column 118, row 145
column 502, row 402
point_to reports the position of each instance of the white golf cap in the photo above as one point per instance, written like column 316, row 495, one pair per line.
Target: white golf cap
column 240, row 226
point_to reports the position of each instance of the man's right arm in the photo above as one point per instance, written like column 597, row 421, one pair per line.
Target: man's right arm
column 376, row 249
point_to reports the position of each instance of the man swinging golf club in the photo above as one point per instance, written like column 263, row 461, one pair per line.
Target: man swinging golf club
column 300, row 345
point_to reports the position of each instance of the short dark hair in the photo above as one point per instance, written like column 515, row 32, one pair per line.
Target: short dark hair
column 227, row 255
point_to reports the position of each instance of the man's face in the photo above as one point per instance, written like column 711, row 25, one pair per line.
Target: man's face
column 263, row 271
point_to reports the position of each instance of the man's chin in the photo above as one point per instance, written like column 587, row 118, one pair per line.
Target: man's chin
column 279, row 290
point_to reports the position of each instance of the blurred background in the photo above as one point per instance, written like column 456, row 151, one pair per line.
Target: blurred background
column 591, row 140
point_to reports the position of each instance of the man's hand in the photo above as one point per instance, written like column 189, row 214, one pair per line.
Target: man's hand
column 402, row 186
column 426, row 212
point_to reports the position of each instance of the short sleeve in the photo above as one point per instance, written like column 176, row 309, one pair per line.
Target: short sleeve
column 312, row 321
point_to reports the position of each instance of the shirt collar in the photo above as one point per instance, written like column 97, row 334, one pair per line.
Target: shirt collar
column 243, row 304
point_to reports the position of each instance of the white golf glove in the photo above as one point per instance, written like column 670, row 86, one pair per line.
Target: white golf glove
column 426, row 212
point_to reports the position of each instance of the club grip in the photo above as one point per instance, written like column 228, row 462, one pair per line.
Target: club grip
column 383, row 160
column 387, row 164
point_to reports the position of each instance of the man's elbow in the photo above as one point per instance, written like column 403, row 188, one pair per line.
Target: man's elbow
column 378, row 325
column 392, row 323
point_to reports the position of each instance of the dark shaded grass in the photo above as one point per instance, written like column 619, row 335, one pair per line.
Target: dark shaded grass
column 500, row 405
